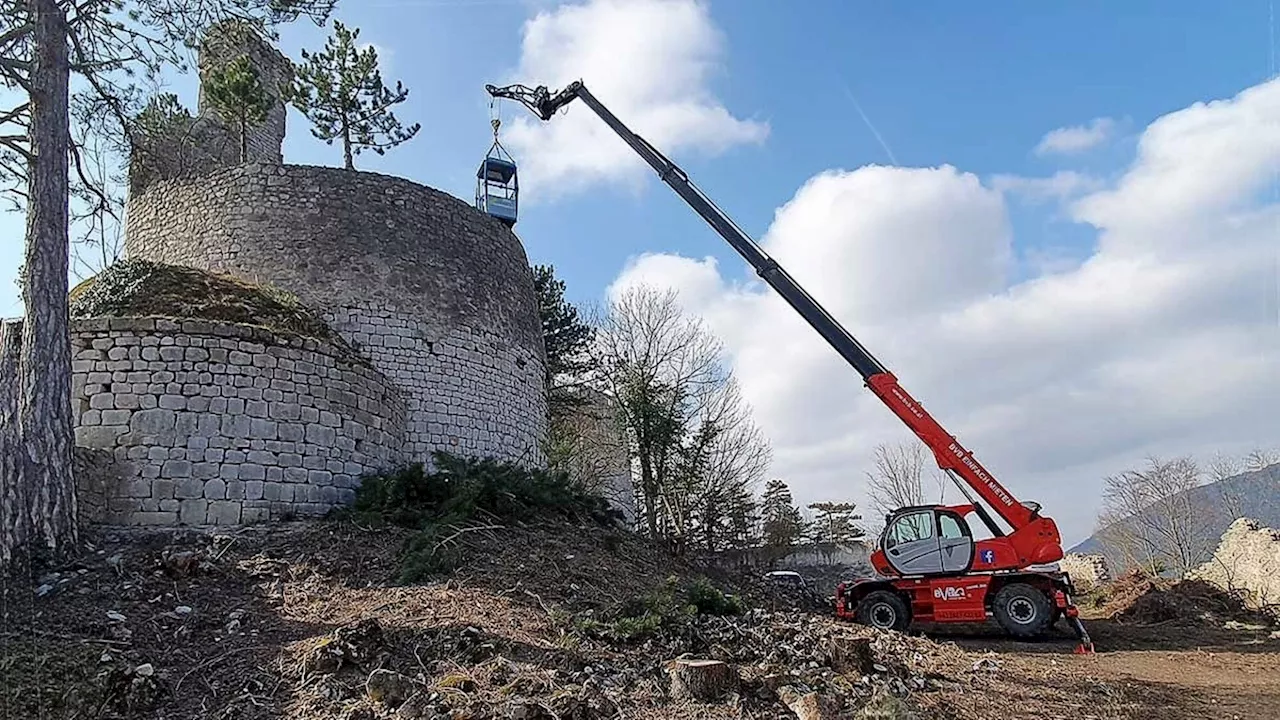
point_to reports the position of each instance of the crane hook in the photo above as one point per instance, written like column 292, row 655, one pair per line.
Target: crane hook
column 496, row 123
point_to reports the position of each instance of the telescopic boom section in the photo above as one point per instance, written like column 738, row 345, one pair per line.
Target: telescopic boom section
column 946, row 449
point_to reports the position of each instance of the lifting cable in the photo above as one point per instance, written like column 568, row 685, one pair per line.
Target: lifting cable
column 495, row 120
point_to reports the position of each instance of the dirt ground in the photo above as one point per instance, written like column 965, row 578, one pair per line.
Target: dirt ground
column 286, row 620
column 1168, row 672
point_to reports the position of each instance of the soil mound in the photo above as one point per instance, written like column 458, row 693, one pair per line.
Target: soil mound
column 1138, row 599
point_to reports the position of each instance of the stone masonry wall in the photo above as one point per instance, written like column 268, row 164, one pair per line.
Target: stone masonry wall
column 1087, row 571
column 214, row 423
column 1247, row 561
column 188, row 146
column 221, row 45
column 437, row 294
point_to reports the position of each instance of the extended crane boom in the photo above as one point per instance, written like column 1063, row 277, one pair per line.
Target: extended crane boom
column 932, row 568
column 950, row 454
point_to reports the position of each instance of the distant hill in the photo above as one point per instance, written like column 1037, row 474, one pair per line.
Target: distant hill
column 1257, row 492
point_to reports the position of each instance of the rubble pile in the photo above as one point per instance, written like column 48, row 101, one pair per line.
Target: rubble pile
column 1087, row 571
column 760, row 664
column 1247, row 561
column 538, row 622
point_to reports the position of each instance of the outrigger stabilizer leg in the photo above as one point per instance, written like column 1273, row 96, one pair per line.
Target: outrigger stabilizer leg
column 1073, row 619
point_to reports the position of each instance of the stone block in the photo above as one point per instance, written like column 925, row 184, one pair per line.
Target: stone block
column 152, row 422
column 223, row 512
column 262, row 429
column 250, row 471
column 215, row 489
column 99, row 436
column 173, row 402
column 193, row 511
column 176, row 469
column 153, row 518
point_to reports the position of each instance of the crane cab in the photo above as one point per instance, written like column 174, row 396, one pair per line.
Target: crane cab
column 925, row 540
column 497, row 185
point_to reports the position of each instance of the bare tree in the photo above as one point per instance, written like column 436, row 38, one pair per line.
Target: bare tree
column 690, row 431
column 734, row 457
column 654, row 361
column 1233, row 498
column 1150, row 519
column 898, row 477
column 1260, row 458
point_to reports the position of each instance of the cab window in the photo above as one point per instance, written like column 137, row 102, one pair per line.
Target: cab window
column 949, row 527
column 910, row 528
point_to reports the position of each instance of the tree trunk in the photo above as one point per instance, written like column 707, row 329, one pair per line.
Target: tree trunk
column 244, row 139
column 704, row 680
column 647, row 483
column 346, row 146
column 14, row 504
column 45, row 403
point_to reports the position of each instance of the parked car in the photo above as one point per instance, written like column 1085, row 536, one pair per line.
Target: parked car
column 787, row 578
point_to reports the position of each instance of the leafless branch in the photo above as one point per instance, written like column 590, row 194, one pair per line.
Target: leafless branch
column 14, row 143
column 12, row 116
column 897, row 478
column 1150, row 518
column 9, row 37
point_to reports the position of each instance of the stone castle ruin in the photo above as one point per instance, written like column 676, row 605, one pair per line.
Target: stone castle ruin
column 438, row 339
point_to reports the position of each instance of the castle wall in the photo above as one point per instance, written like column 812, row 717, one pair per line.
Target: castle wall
column 221, row 45
column 438, row 295
column 212, row 423
column 188, row 146
column 1247, row 562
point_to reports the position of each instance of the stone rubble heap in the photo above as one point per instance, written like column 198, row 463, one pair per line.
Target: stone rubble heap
column 761, row 664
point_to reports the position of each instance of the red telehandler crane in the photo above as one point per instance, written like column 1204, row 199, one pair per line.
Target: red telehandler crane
column 929, row 566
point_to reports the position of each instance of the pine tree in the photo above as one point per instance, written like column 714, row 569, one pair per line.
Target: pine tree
column 836, row 523
column 340, row 91
column 782, row 522
column 236, row 92
column 565, row 336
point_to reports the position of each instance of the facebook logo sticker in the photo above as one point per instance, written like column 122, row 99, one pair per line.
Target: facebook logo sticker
column 988, row 556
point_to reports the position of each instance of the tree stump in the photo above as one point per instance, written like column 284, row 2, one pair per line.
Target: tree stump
column 703, row 680
column 852, row 655
column 810, row 705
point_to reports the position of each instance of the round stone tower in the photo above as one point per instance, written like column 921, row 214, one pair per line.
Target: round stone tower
column 435, row 294
column 439, row 296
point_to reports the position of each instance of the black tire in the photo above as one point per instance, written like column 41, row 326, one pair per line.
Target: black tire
column 1022, row 610
column 885, row 610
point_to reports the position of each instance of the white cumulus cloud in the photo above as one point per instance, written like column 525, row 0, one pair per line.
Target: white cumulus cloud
column 1078, row 138
column 1165, row 340
column 1062, row 185
column 649, row 61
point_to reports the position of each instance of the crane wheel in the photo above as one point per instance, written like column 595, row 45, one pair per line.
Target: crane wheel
column 885, row 610
column 1022, row 610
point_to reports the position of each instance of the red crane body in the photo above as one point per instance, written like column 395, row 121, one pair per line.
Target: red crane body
column 929, row 566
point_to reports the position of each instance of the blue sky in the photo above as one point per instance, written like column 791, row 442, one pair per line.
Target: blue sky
column 976, row 86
